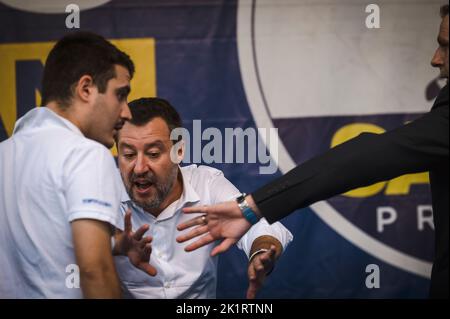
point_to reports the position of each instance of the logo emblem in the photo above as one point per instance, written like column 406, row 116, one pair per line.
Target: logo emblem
column 312, row 70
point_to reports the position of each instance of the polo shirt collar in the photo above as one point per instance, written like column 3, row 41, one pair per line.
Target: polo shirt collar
column 43, row 117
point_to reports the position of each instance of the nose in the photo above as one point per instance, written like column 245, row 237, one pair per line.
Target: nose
column 140, row 167
column 437, row 60
column 125, row 114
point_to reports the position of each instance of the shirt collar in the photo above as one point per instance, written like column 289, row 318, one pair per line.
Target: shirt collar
column 188, row 196
column 43, row 117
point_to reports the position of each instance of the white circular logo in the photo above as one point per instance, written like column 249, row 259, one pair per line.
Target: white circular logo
column 299, row 61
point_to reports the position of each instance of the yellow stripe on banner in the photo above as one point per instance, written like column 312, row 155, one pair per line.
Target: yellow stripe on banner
column 9, row 54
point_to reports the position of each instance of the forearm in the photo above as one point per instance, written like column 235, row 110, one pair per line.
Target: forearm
column 100, row 284
column 92, row 245
column 362, row 161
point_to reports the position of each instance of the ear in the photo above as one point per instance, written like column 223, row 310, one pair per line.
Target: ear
column 85, row 89
column 177, row 152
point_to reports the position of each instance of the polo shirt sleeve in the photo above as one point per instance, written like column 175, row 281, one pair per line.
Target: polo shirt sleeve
column 91, row 184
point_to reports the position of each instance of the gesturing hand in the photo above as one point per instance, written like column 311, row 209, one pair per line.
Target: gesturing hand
column 258, row 269
column 134, row 245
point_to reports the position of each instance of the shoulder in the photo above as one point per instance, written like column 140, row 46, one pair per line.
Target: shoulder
column 201, row 177
column 210, row 183
column 91, row 145
column 69, row 143
column 85, row 152
column 202, row 172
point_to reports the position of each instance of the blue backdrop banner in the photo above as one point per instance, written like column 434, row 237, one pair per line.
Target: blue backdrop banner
column 314, row 71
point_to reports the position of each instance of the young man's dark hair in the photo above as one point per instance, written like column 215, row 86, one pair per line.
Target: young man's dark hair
column 146, row 109
column 77, row 54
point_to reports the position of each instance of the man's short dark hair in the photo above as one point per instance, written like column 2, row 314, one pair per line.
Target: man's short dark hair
column 77, row 54
column 444, row 10
column 146, row 109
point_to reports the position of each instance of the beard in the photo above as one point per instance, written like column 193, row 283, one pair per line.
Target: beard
column 162, row 188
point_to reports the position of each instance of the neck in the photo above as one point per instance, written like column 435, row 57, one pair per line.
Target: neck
column 174, row 195
column 68, row 113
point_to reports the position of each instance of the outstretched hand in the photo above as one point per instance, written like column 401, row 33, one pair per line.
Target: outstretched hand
column 221, row 221
column 133, row 245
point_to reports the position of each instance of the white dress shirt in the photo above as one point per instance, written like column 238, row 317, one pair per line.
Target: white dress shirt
column 185, row 274
column 50, row 175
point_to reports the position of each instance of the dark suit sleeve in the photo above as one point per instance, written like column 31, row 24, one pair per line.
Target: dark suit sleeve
column 369, row 158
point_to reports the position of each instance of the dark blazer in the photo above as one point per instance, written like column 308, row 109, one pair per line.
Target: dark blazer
column 420, row 146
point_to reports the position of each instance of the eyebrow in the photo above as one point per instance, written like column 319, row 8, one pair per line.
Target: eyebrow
column 123, row 90
column 157, row 143
column 125, row 145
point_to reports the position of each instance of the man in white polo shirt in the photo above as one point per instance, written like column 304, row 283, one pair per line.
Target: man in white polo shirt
column 59, row 187
column 156, row 191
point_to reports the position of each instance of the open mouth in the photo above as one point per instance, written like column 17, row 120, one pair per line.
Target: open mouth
column 143, row 186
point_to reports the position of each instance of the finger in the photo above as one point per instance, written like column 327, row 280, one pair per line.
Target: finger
column 195, row 209
column 266, row 264
column 252, row 289
column 141, row 231
column 259, row 267
column 197, row 231
column 127, row 221
column 268, row 255
column 147, row 251
column 144, row 263
column 203, row 241
column 271, row 252
column 223, row 246
column 251, row 272
column 147, row 268
column 191, row 222
column 272, row 256
column 256, row 283
column 266, row 258
column 145, row 241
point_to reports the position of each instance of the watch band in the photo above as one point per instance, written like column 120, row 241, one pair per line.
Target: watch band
column 248, row 213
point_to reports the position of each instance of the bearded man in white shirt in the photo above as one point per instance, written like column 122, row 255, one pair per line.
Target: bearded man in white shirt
column 157, row 189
